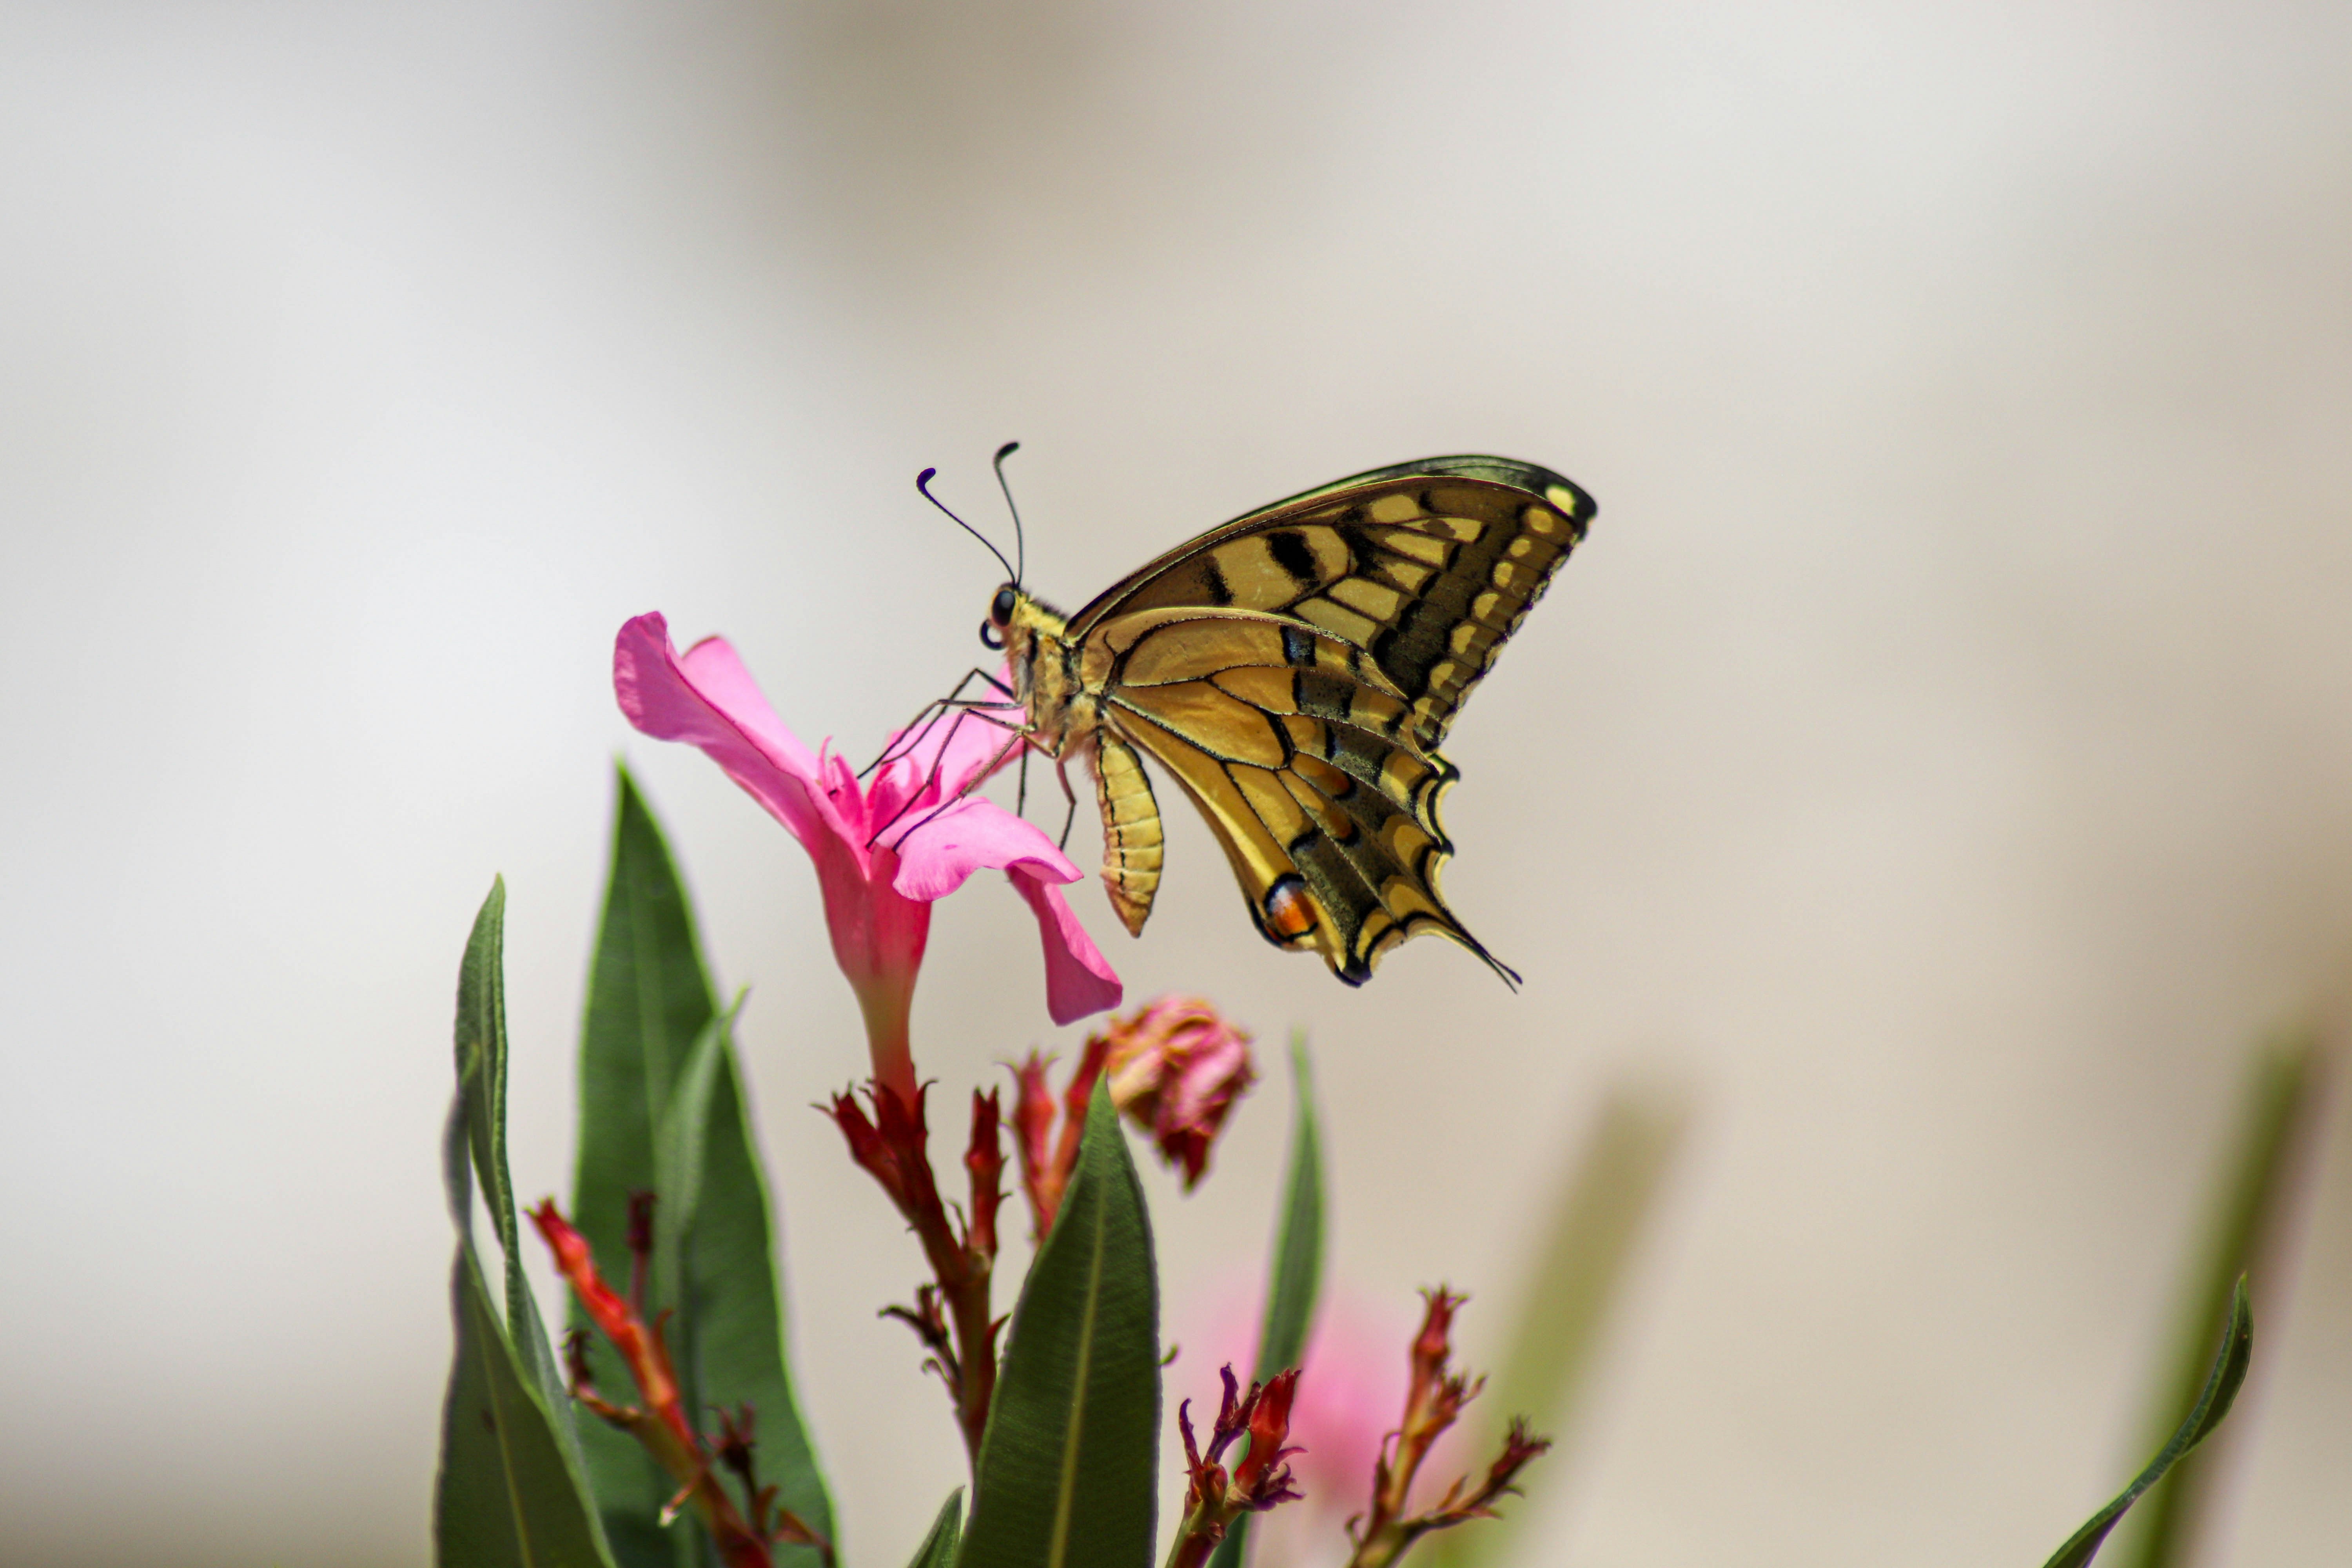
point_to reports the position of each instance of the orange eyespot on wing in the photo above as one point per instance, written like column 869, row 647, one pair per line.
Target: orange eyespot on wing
column 1288, row 911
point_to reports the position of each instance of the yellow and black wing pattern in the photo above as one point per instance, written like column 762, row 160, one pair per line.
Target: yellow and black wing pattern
column 1295, row 671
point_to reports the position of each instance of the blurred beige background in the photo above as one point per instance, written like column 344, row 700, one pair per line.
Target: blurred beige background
column 1938, row 763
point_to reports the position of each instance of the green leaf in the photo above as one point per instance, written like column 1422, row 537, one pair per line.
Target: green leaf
column 712, row 1245
column 1295, row 1279
column 649, row 1000
column 508, row 1496
column 511, row 1489
column 1597, row 1218
column 2257, row 1189
column 481, row 1042
column 1066, row 1470
column 2221, row 1388
column 650, row 1038
column 939, row 1547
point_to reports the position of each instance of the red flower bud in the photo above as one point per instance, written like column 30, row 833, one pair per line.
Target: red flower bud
column 1261, row 1478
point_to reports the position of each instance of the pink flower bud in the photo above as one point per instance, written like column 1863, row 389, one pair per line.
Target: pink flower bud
column 1176, row 1068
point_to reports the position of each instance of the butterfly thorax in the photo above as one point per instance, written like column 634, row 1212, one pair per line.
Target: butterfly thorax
column 1045, row 676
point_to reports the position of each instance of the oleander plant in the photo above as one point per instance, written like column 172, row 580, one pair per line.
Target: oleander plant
column 661, row 1426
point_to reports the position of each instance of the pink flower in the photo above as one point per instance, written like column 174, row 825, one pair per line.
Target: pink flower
column 884, row 851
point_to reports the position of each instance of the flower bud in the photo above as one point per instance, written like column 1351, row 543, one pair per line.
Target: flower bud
column 1176, row 1068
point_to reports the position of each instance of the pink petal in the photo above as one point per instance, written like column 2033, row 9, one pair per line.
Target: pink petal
column 708, row 699
column 1212, row 1076
column 719, row 675
column 1079, row 980
column 936, row 856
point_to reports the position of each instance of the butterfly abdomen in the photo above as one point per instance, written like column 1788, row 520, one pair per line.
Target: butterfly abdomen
column 1133, row 838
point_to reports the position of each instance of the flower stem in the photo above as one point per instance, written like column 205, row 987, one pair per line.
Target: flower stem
column 894, row 1148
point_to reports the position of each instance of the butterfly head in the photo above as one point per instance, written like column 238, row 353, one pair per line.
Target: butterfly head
column 1001, row 611
column 1015, row 620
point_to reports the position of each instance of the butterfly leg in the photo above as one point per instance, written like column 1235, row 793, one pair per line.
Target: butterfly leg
column 920, row 727
column 1061, row 771
column 1021, row 736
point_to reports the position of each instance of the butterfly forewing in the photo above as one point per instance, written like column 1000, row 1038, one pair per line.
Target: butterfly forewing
column 1426, row 567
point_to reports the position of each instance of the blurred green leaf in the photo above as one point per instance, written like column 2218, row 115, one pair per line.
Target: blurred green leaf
column 1295, row 1279
column 512, row 1488
column 2257, row 1189
column 1597, row 1216
column 711, row 1228
column 939, row 1547
column 650, row 1038
column 2221, row 1387
column 1066, row 1471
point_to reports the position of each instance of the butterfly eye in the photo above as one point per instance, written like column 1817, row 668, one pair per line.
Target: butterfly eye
column 1000, row 609
column 988, row 637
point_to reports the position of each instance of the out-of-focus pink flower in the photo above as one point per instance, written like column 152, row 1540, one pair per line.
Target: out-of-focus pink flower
column 883, row 850
column 1354, row 1383
column 1176, row 1067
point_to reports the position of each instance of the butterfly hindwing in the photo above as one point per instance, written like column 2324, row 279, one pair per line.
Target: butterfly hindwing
column 1300, row 755
column 1426, row 567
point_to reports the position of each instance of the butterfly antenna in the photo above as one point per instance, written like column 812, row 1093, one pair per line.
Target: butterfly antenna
column 923, row 483
column 1020, row 543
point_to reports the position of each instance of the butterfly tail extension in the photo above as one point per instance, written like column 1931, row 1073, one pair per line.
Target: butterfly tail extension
column 1511, row 977
column 1379, row 861
column 1133, row 839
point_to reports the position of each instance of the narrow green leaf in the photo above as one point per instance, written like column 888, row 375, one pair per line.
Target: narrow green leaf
column 650, row 1035
column 713, row 1248
column 481, row 1049
column 1066, row 1470
column 511, row 1491
column 507, row 1496
column 649, row 1000
column 2221, row 1387
column 1602, row 1210
column 1294, row 1281
column 939, row 1547
column 2257, row 1187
